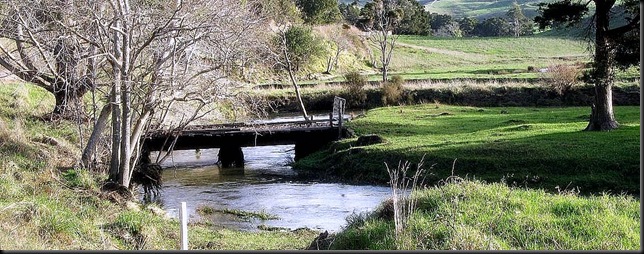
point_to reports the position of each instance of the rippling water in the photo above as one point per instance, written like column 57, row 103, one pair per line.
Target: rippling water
column 263, row 185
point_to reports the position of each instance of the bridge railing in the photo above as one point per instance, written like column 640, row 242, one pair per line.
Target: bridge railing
column 339, row 105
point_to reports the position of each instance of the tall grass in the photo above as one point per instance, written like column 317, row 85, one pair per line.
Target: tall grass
column 472, row 215
column 401, row 186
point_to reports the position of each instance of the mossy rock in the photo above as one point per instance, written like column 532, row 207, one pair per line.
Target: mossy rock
column 370, row 139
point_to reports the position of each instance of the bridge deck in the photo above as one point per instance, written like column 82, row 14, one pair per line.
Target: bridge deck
column 244, row 135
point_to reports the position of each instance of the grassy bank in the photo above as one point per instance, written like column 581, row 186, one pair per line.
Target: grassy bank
column 464, row 92
column 470, row 215
column 44, row 204
column 535, row 147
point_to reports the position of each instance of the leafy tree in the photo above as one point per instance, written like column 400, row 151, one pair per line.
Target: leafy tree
column 302, row 45
column 467, row 25
column 444, row 25
column 495, row 26
column 415, row 19
column 367, row 16
column 613, row 46
column 519, row 23
column 319, row 11
column 350, row 12
column 292, row 48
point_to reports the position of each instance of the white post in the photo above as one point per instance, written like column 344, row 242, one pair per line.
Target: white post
column 183, row 214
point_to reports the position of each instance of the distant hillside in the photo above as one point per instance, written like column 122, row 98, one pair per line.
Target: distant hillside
column 480, row 9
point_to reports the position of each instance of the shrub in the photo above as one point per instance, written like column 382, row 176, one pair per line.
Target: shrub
column 561, row 78
column 392, row 90
column 355, row 88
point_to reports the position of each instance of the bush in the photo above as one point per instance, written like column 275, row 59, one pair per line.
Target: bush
column 392, row 90
column 355, row 88
column 561, row 78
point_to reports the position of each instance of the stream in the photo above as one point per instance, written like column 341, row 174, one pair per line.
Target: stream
column 267, row 184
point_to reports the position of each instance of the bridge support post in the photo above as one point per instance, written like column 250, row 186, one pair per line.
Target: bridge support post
column 231, row 157
column 304, row 148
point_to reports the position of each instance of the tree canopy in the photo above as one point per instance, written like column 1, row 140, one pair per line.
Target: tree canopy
column 317, row 12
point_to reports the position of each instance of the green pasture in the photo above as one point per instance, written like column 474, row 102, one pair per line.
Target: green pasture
column 535, row 147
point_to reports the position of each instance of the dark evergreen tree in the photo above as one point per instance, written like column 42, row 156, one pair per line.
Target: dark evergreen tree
column 444, row 25
column 319, row 11
column 493, row 27
column 467, row 25
column 350, row 12
column 415, row 19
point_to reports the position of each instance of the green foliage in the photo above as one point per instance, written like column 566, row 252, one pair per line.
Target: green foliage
column 392, row 90
column 385, row 12
column 519, row 23
column 415, row 19
column 560, row 13
column 302, row 45
column 319, row 11
column 471, row 215
column 493, row 27
column 444, row 25
column 621, row 38
column 355, row 84
column 262, row 215
column 350, row 12
column 467, row 25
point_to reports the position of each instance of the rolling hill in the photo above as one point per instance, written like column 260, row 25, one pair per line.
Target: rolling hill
column 480, row 9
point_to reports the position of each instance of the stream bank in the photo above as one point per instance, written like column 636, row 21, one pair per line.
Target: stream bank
column 476, row 96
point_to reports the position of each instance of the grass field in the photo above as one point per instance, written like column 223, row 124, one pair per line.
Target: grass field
column 535, row 147
column 420, row 57
column 470, row 215
column 479, row 9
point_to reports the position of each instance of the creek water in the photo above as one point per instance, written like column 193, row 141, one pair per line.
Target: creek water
column 266, row 184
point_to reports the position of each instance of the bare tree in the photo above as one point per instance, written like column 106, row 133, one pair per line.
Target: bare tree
column 341, row 43
column 177, row 55
column 37, row 48
column 386, row 15
column 161, row 64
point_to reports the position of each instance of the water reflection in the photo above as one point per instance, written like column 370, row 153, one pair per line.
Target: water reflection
column 265, row 184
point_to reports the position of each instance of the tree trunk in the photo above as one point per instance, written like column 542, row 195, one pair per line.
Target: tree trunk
column 99, row 127
column 384, row 74
column 298, row 95
column 116, row 132
column 602, row 117
column 116, row 110
column 68, row 105
column 125, row 172
column 289, row 68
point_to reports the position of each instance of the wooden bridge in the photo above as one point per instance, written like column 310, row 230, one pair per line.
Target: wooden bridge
column 307, row 136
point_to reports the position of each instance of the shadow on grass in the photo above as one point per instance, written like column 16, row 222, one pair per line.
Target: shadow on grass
column 594, row 162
